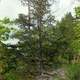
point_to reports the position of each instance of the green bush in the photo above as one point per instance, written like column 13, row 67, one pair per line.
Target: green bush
column 73, row 72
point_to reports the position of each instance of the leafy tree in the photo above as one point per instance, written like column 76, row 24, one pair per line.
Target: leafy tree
column 32, row 45
column 56, row 44
column 66, row 27
column 4, row 35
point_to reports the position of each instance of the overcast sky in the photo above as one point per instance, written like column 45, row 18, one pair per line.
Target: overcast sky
column 11, row 8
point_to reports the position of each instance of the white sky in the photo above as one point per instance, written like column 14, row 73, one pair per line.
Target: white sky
column 11, row 8
column 65, row 6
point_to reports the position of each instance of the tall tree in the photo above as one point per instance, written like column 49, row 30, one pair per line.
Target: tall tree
column 66, row 27
column 38, row 9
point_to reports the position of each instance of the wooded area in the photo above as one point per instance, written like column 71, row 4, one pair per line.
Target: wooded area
column 47, row 49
